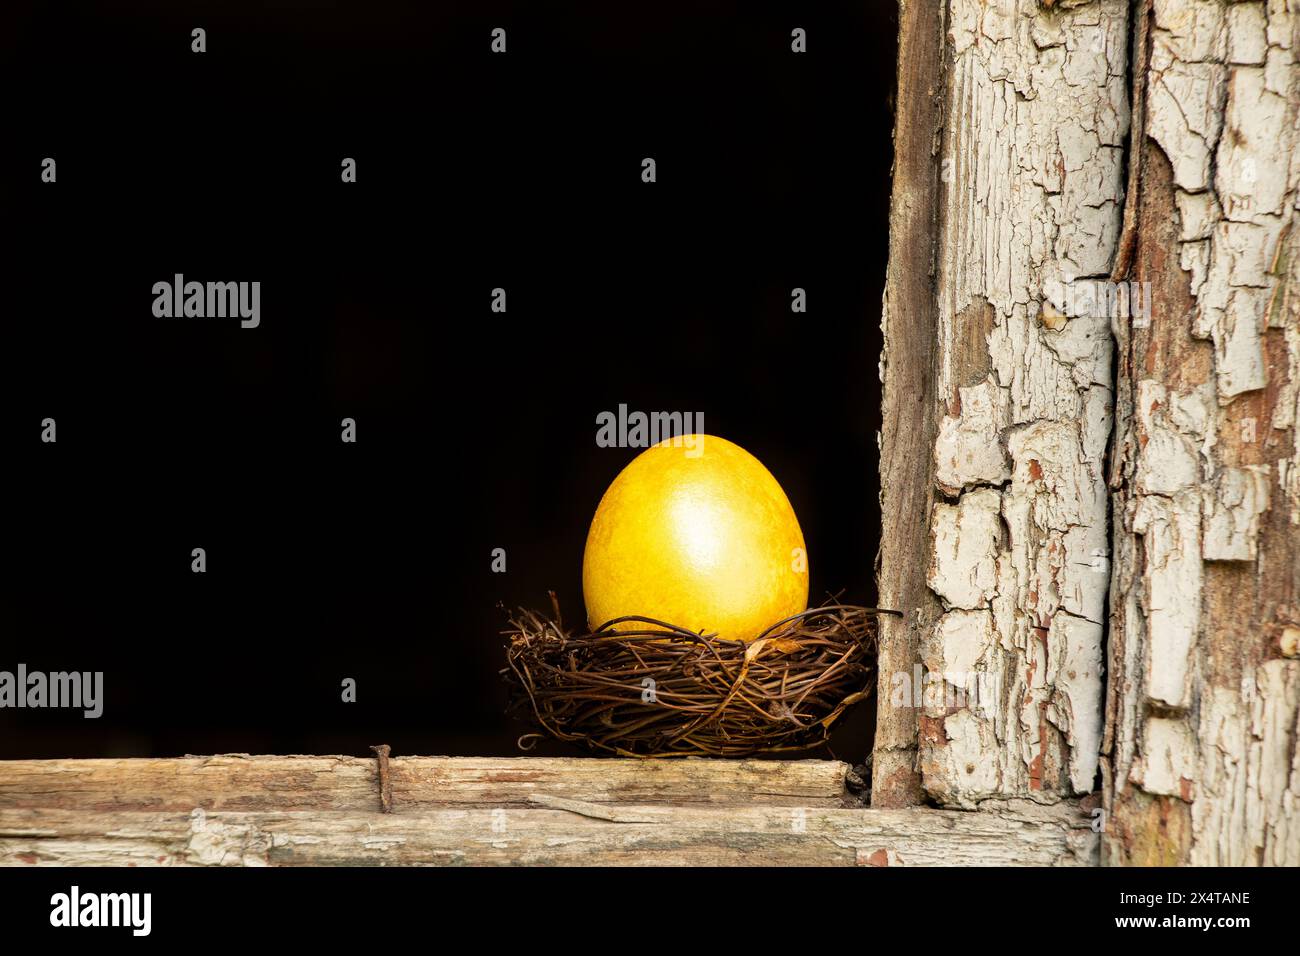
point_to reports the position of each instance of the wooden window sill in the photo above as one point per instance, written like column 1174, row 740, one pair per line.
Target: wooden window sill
column 239, row 810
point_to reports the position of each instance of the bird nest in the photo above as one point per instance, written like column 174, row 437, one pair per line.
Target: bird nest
column 663, row 690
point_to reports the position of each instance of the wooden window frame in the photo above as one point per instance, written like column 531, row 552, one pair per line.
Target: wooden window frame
column 1194, row 762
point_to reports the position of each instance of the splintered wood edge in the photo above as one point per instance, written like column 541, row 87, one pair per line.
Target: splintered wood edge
column 337, row 783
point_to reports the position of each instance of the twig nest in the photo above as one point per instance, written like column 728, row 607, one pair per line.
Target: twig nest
column 668, row 691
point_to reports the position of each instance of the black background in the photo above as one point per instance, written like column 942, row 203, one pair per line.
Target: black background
column 475, row 430
column 333, row 906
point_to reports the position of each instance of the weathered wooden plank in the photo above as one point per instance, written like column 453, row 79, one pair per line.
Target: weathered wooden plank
column 909, row 403
column 333, row 783
column 1009, row 150
column 1203, row 718
column 1032, row 160
column 568, row 832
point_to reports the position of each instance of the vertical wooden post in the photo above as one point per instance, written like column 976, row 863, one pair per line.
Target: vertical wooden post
column 1202, row 748
column 997, row 407
column 910, row 407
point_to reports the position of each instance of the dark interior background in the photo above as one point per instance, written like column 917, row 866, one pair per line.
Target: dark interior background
column 476, row 430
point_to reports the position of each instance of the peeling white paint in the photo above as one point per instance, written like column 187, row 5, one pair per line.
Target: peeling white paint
column 964, row 564
column 1173, row 573
column 1206, row 714
column 1168, row 762
column 968, row 451
column 1231, row 508
column 1248, row 811
column 1220, row 79
column 1075, row 675
column 1038, row 118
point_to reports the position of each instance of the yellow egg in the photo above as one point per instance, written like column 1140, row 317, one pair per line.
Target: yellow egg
column 697, row 533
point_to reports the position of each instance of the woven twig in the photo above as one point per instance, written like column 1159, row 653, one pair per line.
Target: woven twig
column 667, row 691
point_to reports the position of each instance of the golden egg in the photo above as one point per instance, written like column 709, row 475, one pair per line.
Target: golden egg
column 695, row 532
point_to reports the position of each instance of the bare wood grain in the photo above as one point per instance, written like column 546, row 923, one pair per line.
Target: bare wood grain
column 909, row 403
column 576, row 835
column 332, row 783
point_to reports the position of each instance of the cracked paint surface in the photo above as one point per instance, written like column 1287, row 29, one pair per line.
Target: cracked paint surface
column 1204, row 717
column 1035, row 134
